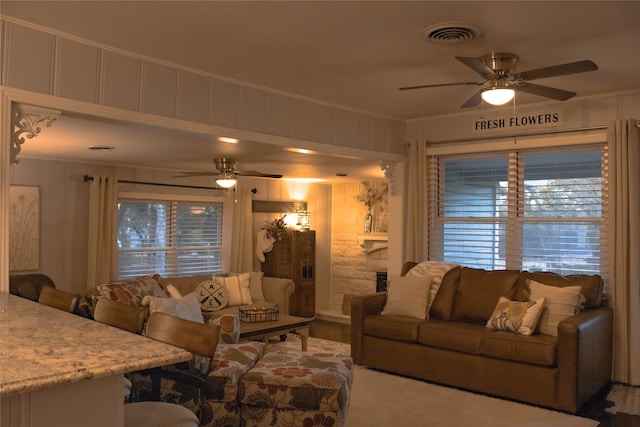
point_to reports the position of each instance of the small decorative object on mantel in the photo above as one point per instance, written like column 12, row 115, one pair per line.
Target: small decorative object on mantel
column 371, row 196
column 271, row 232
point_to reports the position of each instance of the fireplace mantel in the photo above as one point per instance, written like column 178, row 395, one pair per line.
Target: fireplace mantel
column 371, row 242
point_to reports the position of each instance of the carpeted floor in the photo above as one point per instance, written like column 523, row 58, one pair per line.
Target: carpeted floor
column 381, row 399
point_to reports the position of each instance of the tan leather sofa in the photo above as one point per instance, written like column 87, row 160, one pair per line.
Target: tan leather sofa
column 560, row 372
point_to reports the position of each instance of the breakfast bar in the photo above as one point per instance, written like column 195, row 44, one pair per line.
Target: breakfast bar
column 59, row 369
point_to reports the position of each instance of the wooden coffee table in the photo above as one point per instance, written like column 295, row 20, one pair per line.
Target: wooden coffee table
column 285, row 324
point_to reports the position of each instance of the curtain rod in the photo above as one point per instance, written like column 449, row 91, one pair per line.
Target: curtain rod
column 88, row 178
column 493, row 137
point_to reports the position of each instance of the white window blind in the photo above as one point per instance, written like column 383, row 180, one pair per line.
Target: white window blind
column 169, row 237
column 537, row 209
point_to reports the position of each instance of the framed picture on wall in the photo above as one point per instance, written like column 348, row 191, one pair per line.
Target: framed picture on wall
column 24, row 228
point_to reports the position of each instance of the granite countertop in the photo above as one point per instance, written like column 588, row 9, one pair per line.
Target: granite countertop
column 42, row 347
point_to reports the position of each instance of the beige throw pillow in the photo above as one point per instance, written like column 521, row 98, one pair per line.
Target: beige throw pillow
column 560, row 304
column 407, row 297
column 186, row 307
column 434, row 272
column 515, row 316
column 238, row 288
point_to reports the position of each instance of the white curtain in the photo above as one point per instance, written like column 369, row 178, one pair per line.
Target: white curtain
column 416, row 227
column 103, row 223
column 624, row 283
column 242, row 232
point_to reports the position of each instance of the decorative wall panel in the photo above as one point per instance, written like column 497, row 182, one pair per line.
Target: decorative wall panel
column 78, row 75
column 30, row 59
column 193, row 96
column 253, row 108
column 121, row 81
column 225, row 104
column 159, row 87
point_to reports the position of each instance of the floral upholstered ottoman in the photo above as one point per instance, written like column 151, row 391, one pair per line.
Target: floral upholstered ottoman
column 295, row 388
column 219, row 406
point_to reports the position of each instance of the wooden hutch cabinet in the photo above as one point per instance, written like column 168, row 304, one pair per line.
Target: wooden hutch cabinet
column 294, row 257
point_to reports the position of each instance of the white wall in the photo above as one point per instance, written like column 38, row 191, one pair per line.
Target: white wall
column 64, row 198
column 582, row 112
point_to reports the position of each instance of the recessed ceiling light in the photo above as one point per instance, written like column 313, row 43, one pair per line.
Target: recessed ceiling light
column 299, row 150
column 308, row 180
column 102, row 148
column 227, row 140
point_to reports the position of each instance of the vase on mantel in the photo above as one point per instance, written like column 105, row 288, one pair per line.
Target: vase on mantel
column 368, row 222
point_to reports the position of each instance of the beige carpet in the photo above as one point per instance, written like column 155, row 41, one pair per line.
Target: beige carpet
column 383, row 400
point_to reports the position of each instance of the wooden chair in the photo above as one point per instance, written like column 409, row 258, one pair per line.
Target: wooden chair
column 130, row 318
column 59, row 299
column 197, row 338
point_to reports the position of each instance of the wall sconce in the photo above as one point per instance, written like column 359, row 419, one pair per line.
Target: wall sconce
column 304, row 220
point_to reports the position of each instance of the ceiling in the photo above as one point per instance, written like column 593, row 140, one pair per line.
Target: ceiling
column 355, row 54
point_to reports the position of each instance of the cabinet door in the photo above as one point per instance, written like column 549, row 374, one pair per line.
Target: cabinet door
column 279, row 261
column 305, row 301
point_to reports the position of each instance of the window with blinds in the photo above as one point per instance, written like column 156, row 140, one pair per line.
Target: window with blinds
column 536, row 210
column 172, row 238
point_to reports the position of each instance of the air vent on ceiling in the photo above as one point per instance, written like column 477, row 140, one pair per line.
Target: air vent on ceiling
column 450, row 33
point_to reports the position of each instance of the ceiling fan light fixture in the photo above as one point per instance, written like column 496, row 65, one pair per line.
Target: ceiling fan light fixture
column 498, row 94
column 226, row 182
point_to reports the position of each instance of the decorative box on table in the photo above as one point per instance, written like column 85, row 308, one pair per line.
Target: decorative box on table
column 258, row 314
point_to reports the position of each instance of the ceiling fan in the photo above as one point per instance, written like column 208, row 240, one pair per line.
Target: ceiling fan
column 227, row 171
column 499, row 72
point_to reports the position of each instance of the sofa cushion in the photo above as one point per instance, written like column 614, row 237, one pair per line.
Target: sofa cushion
column 535, row 349
column 132, row 291
column 458, row 336
column 590, row 286
column 229, row 325
column 407, row 297
column 186, row 307
column 396, row 328
column 238, row 287
column 255, row 286
column 479, row 292
column 516, row 316
column 434, row 272
column 443, row 300
column 560, row 304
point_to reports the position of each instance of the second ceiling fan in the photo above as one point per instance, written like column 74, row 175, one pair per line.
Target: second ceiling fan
column 499, row 73
column 227, row 169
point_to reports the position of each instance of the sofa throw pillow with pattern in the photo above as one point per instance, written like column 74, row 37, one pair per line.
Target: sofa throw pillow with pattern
column 133, row 290
column 407, row 297
column 229, row 327
column 560, row 304
column 238, row 288
column 516, row 316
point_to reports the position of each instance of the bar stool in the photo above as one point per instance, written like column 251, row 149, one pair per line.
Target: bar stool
column 158, row 414
column 127, row 317
column 194, row 337
column 59, row 299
